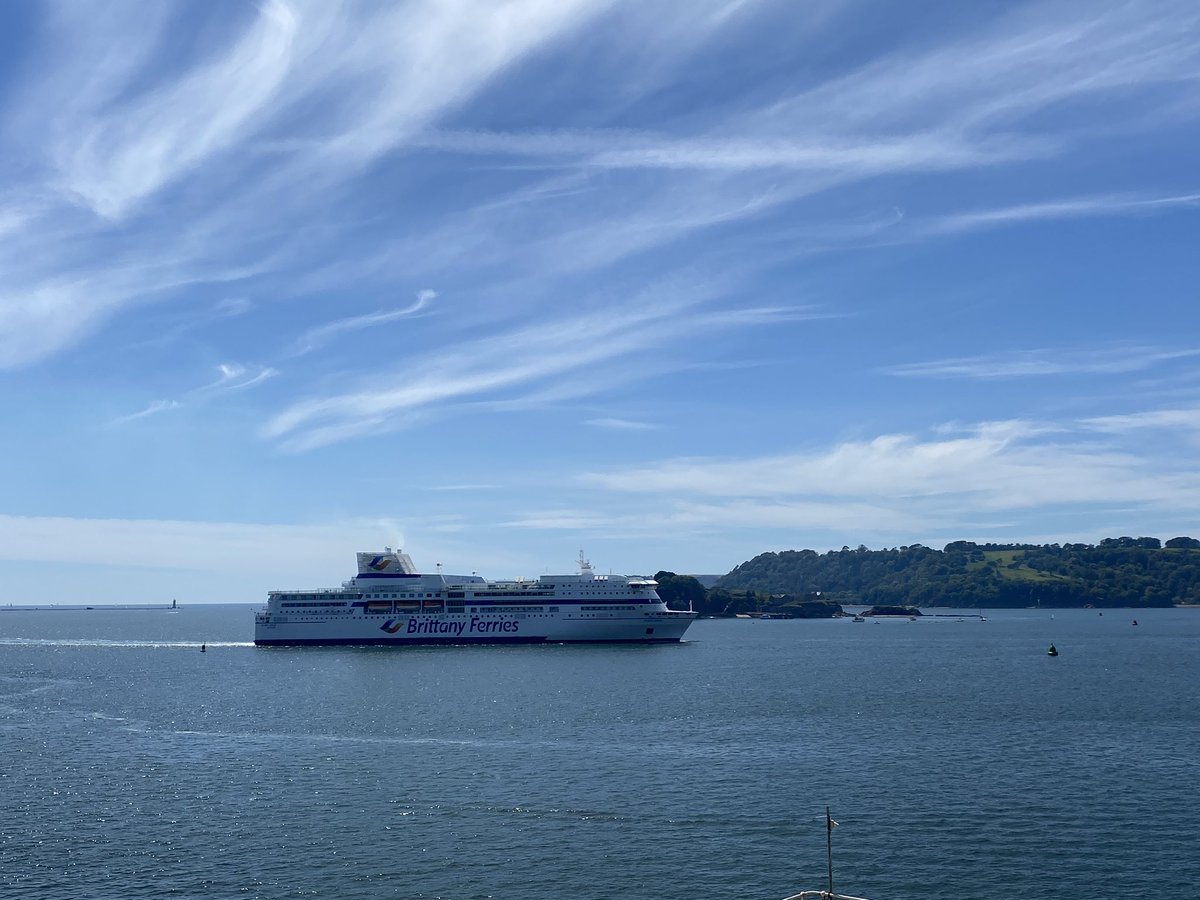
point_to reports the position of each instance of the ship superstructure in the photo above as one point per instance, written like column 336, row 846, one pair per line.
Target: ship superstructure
column 389, row 602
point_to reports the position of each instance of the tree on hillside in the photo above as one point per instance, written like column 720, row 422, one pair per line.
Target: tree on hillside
column 680, row 591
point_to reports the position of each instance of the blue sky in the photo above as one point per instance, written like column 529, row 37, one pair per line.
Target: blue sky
column 674, row 284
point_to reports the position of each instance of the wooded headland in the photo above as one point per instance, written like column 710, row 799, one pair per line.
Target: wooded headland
column 1117, row 572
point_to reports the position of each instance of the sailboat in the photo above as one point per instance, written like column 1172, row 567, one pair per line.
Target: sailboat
column 829, row 893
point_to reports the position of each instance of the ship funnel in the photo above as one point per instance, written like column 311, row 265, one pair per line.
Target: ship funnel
column 389, row 562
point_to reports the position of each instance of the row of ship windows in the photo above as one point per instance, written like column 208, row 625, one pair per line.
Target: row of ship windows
column 504, row 593
column 453, row 595
column 537, row 614
column 454, row 608
column 483, row 610
column 519, row 611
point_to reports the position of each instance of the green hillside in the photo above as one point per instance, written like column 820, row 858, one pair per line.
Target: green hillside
column 1121, row 571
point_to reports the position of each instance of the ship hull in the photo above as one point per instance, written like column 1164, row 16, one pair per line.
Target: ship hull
column 447, row 642
column 450, row 629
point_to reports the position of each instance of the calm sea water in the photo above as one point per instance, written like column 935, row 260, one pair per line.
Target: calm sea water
column 960, row 760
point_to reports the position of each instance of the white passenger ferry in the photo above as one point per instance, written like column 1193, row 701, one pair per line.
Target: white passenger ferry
column 389, row 602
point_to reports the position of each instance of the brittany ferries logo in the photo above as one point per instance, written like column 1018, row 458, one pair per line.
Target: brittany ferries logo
column 379, row 563
column 452, row 627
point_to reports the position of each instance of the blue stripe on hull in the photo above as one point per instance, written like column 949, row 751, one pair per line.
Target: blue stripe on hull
column 408, row 642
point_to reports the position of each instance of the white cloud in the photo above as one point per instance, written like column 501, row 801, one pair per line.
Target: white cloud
column 622, row 424
column 1073, row 208
column 337, row 87
column 165, row 153
column 156, row 407
column 680, row 517
column 1004, row 465
column 1036, row 56
column 464, row 487
column 14, row 218
column 1044, row 361
column 1166, row 419
column 234, row 377
column 550, row 360
column 51, row 313
column 317, row 337
column 476, row 370
column 396, row 68
column 43, row 312
column 120, row 158
column 622, row 149
column 299, row 554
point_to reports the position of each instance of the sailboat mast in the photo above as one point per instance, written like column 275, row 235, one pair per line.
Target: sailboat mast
column 829, row 845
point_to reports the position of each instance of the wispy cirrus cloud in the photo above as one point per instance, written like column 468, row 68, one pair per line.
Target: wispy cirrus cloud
column 897, row 226
column 157, row 137
column 621, row 149
column 155, row 407
column 322, row 334
column 231, row 377
column 122, row 152
column 956, row 104
column 622, row 424
column 1036, row 56
column 466, row 487
column 236, row 377
column 692, row 518
column 503, row 367
column 1186, row 419
column 137, row 138
column 952, row 107
column 1044, row 362
column 135, row 141
column 1072, row 208
column 119, row 144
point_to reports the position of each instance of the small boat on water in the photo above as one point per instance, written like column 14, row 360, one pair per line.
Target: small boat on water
column 829, row 893
column 1053, row 651
column 859, row 619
